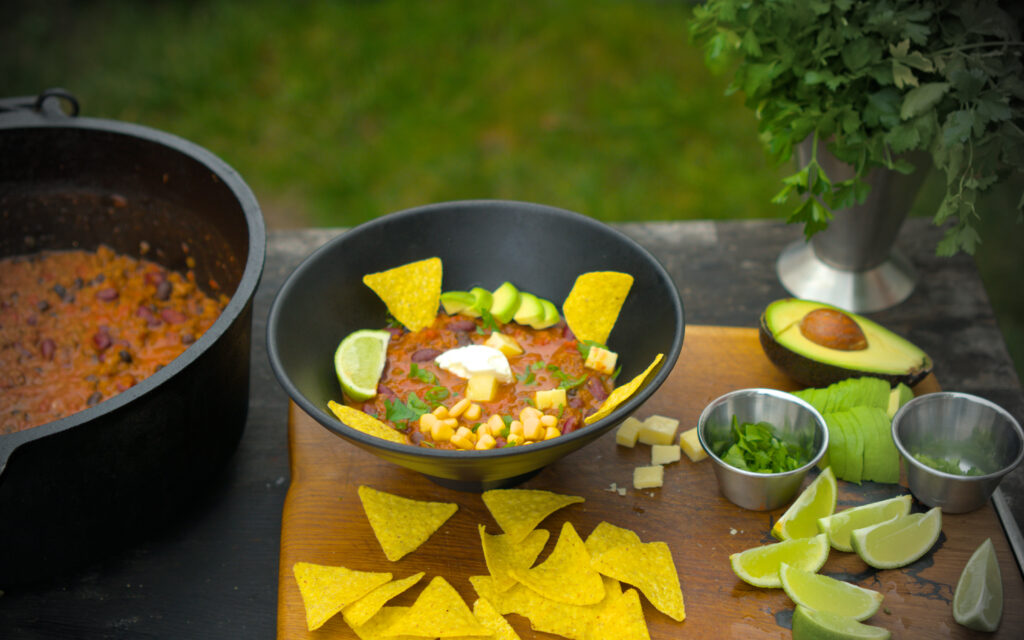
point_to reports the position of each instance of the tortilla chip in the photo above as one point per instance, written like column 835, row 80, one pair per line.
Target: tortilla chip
column 593, row 304
column 488, row 616
column 439, row 612
column 412, row 292
column 566, row 575
column 359, row 612
column 365, row 422
column 326, row 590
column 376, row 627
column 402, row 524
column 621, row 619
column 607, row 536
column 620, row 393
column 519, row 511
column 501, row 554
column 648, row 567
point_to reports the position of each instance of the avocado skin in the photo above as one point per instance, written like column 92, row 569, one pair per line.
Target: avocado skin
column 813, row 373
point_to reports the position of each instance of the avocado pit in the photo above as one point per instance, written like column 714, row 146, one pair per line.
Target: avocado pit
column 833, row 329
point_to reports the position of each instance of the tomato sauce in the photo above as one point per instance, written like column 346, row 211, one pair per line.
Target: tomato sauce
column 78, row 327
column 551, row 359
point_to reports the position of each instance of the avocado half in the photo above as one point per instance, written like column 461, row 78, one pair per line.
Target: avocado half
column 879, row 353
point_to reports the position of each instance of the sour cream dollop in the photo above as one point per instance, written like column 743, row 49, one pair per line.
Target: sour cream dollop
column 473, row 359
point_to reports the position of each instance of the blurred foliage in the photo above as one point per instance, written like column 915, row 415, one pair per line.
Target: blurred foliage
column 337, row 112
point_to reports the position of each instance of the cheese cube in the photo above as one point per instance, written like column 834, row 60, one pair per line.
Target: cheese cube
column 665, row 453
column 627, row 432
column 690, row 443
column 503, row 343
column 601, row 360
column 658, row 430
column 648, row 477
column 549, row 398
column 482, row 387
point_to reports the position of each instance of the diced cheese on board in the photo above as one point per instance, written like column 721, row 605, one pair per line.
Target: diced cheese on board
column 690, row 444
column 658, row 430
column 665, row 453
column 648, row 477
column 628, row 431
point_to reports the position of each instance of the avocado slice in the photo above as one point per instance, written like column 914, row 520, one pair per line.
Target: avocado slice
column 854, row 445
column 551, row 315
column 836, row 446
column 530, row 309
column 818, row 344
column 455, row 301
column 900, row 395
column 505, row 302
column 482, row 300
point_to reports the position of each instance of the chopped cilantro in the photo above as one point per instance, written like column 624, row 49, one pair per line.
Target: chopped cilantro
column 756, row 448
column 585, row 345
column 411, row 409
column 436, row 394
column 948, row 465
column 423, row 375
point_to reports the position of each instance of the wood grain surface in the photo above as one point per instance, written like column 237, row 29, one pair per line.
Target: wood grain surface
column 323, row 521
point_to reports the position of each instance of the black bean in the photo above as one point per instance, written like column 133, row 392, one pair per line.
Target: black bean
column 94, row 398
column 60, row 290
column 125, row 356
column 43, row 305
column 187, row 338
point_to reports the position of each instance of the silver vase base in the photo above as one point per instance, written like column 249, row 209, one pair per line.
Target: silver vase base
column 805, row 275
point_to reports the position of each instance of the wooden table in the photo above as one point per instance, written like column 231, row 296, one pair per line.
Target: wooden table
column 215, row 573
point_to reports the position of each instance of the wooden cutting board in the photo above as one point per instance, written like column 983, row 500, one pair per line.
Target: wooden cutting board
column 323, row 520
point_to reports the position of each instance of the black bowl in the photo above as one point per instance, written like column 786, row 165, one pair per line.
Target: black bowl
column 540, row 249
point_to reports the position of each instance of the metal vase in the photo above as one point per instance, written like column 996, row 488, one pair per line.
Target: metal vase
column 853, row 264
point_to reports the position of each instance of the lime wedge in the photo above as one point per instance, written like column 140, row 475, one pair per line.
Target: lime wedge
column 824, row 593
column 898, row 542
column 818, row 500
column 839, row 526
column 809, row 624
column 978, row 599
column 359, row 361
column 759, row 566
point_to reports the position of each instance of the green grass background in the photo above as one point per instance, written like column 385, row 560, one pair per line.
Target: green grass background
column 337, row 112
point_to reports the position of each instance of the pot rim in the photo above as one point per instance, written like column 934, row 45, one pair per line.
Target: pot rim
column 239, row 300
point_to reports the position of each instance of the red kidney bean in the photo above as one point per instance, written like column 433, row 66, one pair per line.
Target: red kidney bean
column 172, row 316
column 154, row 277
column 425, row 355
column 101, row 340
column 107, row 294
column 48, row 347
column 396, row 332
column 596, row 389
column 163, row 290
column 385, row 391
column 147, row 314
column 570, row 424
column 462, row 325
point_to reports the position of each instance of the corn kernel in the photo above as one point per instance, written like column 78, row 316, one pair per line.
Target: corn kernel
column 495, row 424
column 514, row 439
column 549, row 421
column 529, row 411
column 459, row 408
column 532, row 430
column 441, row 412
column 473, row 412
column 485, row 442
column 530, row 421
column 482, row 387
column 464, row 438
column 601, row 360
column 552, row 432
column 516, row 428
column 442, row 432
column 503, row 343
column 549, row 398
column 482, row 429
column 427, row 422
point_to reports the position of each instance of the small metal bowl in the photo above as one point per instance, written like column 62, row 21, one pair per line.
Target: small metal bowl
column 795, row 422
column 960, row 426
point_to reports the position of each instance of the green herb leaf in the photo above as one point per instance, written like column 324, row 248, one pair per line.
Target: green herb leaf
column 423, row 375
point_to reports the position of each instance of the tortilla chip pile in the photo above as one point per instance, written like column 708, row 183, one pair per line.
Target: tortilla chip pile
column 575, row 592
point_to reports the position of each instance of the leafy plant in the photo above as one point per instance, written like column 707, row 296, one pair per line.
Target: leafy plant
column 876, row 80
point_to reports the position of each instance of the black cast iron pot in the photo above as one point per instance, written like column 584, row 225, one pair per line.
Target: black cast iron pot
column 538, row 248
column 78, row 487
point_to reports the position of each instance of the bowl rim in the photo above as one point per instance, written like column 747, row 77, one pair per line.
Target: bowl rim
column 943, row 395
column 659, row 375
column 775, row 393
column 239, row 300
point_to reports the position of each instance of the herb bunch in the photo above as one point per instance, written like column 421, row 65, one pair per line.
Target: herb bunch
column 875, row 80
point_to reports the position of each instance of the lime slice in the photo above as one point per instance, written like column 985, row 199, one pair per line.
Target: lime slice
column 839, row 526
column 759, row 566
column 359, row 361
column 809, row 624
column 818, row 500
column 824, row 593
column 978, row 599
column 898, row 542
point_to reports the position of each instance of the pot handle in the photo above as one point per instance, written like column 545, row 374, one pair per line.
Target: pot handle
column 49, row 102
